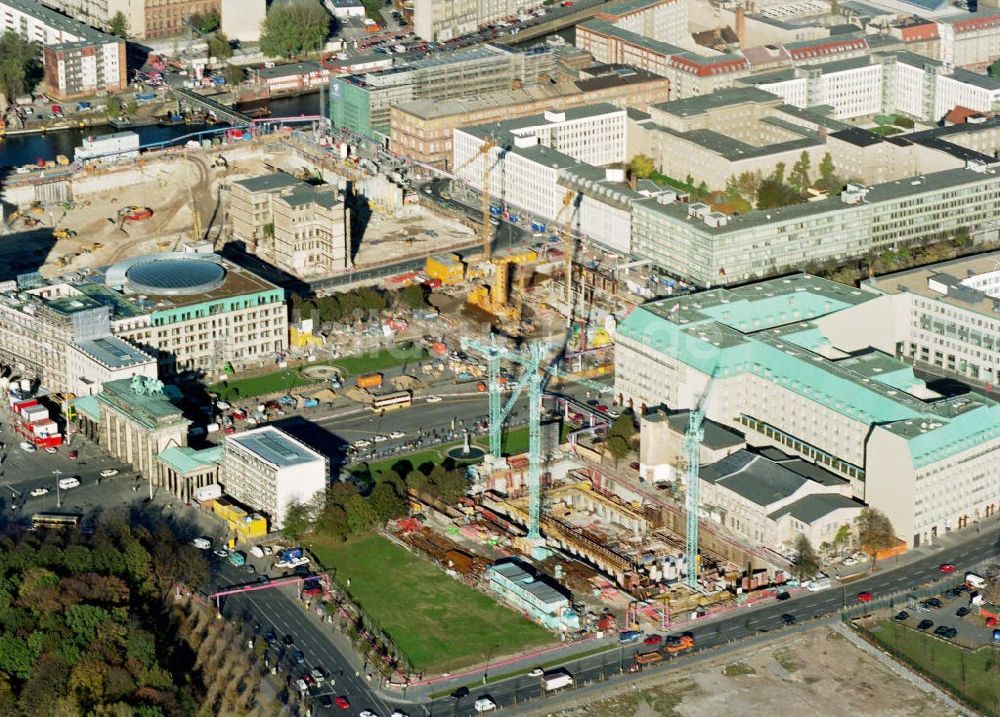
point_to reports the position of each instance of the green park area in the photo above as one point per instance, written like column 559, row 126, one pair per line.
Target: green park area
column 439, row 623
column 972, row 676
column 285, row 380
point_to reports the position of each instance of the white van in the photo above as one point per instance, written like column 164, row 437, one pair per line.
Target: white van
column 67, row 483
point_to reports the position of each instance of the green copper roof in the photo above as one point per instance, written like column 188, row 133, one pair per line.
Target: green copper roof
column 185, row 459
column 776, row 343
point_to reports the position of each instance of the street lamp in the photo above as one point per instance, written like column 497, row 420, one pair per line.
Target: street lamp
column 56, row 472
column 486, row 669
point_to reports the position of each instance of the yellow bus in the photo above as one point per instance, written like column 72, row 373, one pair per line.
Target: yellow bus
column 55, row 520
column 392, row 401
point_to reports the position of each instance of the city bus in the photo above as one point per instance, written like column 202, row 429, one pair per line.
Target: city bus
column 55, row 520
column 392, row 401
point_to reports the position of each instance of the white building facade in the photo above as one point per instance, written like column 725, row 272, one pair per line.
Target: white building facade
column 268, row 470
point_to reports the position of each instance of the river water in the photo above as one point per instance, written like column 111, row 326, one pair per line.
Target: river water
column 29, row 148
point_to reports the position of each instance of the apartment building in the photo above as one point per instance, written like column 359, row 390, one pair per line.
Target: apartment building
column 301, row 229
column 708, row 248
column 63, row 341
column 268, row 470
column 422, row 129
column 970, row 39
column 362, row 102
column 763, row 359
column 77, row 60
column 148, row 18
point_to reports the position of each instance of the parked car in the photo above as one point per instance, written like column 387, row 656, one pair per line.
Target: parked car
column 962, row 611
column 901, row 615
column 434, row 399
column 27, row 447
column 39, row 492
column 925, row 625
column 460, row 693
column 50, row 449
column 202, row 543
column 782, row 596
column 865, row 596
column 109, row 473
column 67, row 483
column 653, row 640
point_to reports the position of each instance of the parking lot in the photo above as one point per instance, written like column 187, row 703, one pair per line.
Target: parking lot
column 951, row 609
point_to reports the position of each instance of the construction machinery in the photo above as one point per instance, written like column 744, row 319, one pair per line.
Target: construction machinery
column 62, row 233
column 534, row 376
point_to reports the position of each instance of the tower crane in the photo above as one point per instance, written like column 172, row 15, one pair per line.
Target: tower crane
column 535, row 373
column 692, row 444
column 568, row 251
column 484, row 153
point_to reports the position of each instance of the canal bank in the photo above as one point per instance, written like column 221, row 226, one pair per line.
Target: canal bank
column 17, row 150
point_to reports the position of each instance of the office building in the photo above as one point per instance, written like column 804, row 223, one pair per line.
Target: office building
column 661, row 20
column 362, row 102
column 442, row 20
column 942, row 317
column 268, row 470
column 301, row 229
column 767, row 359
column 77, row 60
column 422, row 129
column 531, row 152
column 52, row 335
column 662, row 450
column 883, row 83
column 707, row 248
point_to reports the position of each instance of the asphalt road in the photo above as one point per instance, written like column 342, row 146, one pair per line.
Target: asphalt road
column 278, row 608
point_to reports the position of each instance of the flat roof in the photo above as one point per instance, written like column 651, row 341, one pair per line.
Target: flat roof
column 295, row 68
column 719, row 99
column 275, row 447
column 542, row 591
column 269, row 182
column 114, row 352
column 954, row 274
column 570, row 114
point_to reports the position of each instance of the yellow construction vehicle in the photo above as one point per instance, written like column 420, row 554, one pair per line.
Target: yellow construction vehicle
column 62, row 233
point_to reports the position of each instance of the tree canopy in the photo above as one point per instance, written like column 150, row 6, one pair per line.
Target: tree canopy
column 642, row 166
column 79, row 622
column 875, row 533
column 219, row 47
column 806, row 559
column 206, row 23
column 118, row 26
column 20, row 64
column 293, row 28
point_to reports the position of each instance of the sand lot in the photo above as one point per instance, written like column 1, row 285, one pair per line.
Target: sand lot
column 816, row 674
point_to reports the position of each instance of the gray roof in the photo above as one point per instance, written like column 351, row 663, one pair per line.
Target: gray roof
column 716, row 100
column 851, row 63
column 716, row 435
column 734, row 149
column 113, row 352
column 274, row 447
column 540, row 120
column 814, row 507
column 813, row 472
column 545, row 594
column 295, row 68
column 974, row 78
column 269, row 182
column 754, row 477
column 86, row 35
column 307, row 194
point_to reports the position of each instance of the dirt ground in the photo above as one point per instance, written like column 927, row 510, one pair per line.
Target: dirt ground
column 817, row 673
column 170, row 185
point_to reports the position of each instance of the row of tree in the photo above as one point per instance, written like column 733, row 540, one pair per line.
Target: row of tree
column 351, row 508
column 358, row 303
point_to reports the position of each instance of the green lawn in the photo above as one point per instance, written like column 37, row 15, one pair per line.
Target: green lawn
column 290, row 378
column 973, row 676
column 437, row 622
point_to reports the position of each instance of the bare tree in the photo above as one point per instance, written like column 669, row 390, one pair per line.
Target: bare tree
column 806, row 559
